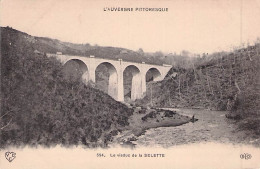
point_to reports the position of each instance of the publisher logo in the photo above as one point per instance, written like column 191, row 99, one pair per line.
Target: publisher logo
column 246, row 156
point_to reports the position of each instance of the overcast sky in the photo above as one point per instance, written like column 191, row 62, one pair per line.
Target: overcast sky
column 197, row 26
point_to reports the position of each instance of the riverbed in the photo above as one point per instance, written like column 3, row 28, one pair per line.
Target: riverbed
column 212, row 126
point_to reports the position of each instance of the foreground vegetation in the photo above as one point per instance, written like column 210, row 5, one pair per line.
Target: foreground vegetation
column 42, row 105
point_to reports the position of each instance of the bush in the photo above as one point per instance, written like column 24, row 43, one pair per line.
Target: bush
column 247, row 109
column 151, row 115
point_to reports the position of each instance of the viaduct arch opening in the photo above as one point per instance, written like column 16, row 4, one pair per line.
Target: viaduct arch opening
column 76, row 68
column 107, row 79
column 132, row 83
column 152, row 74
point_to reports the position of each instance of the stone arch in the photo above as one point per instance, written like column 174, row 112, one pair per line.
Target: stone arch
column 153, row 74
column 132, row 76
column 109, row 76
column 77, row 63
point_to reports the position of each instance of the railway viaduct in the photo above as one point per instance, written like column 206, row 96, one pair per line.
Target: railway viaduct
column 116, row 68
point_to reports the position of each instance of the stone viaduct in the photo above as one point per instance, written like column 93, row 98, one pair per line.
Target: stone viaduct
column 116, row 69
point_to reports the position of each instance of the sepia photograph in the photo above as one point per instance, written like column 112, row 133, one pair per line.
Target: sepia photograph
column 130, row 84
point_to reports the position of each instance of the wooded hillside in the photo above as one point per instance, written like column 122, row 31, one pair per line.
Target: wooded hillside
column 40, row 105
column 226, row 82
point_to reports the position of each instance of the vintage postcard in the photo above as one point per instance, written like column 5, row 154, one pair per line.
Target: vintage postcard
column 130, row 84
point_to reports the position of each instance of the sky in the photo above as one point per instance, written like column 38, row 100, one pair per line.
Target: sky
column 199, row 26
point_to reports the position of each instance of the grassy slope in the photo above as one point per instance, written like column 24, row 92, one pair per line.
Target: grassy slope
column 40, row 105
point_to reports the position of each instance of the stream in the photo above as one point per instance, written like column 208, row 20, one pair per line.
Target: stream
column 212, row 126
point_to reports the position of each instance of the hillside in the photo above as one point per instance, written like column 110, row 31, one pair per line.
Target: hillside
column 41, row 104
column 48, row 45
column 227, row 82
